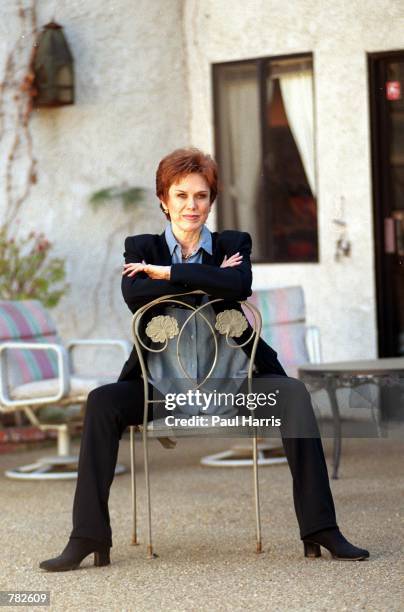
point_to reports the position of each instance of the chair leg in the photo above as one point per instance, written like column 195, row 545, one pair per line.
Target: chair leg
column 150, row 553
column 63, row 440
column 256, row 495
column 133, row 483
column 332, row 394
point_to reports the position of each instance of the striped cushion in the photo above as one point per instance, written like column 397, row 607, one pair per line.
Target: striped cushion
column 283, row 323
column 78, row 386
column 279, row 305
column 289, row 341
column 28, row 321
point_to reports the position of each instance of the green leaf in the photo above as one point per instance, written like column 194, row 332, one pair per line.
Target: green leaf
column 129, row 196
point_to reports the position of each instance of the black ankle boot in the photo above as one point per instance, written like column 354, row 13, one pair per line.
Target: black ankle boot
column 74, row 553
column 334, row 541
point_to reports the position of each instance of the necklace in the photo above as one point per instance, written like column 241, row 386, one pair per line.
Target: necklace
column 188, row 255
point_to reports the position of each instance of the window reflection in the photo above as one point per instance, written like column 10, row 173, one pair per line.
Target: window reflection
column 266, row 154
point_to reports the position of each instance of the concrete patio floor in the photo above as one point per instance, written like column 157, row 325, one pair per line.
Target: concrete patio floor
column 204, row 535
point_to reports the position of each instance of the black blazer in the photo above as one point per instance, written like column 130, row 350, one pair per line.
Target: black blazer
column 230, row 283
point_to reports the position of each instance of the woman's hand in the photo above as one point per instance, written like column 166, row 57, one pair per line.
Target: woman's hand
column 158, row 272
column 234, row 260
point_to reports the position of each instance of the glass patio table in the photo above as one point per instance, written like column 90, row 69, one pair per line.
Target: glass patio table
column 384, row 372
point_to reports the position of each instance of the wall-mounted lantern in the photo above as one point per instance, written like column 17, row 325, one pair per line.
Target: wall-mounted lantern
column 53, row 68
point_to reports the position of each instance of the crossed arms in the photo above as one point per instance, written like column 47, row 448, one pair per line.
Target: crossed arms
column 232, row 283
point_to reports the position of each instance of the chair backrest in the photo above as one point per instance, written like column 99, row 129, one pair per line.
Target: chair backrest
column 283, row 315
column 164, row 332
column 28, row 321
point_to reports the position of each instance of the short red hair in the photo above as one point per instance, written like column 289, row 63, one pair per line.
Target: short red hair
column 180, row 163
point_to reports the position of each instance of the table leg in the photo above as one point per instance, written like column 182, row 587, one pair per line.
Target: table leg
column 332, row 394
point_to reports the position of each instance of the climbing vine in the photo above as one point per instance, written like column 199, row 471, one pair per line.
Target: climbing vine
column 26, row 270
column 16, row 105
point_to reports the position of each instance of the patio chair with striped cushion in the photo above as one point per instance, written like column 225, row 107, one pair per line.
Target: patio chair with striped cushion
column 36, row 370
column 284, row 328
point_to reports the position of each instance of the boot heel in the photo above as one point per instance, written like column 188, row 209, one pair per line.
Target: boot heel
column 311, row 550
column 101, row 558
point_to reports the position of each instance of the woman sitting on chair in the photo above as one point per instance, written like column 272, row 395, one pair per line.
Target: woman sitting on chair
column 185, row 257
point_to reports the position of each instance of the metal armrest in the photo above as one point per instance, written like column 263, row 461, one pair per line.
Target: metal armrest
column 313, row 343
column 63, row 373
column 122, row 344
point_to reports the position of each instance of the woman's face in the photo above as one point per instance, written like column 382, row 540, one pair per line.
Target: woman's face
column 188, row 202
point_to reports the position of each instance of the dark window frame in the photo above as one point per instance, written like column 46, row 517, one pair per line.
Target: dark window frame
column 262, row 63
column 387, row 323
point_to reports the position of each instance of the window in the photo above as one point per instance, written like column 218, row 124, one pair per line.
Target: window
column 264, row 131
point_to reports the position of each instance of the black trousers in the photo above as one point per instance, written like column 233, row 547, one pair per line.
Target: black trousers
column 111, row 408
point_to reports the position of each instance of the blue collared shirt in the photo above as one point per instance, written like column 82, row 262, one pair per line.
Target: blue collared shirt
column 196, row 346
column 205, row 243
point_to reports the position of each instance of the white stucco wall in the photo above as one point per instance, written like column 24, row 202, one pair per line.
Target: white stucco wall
column 143, row 88
column 340, row 296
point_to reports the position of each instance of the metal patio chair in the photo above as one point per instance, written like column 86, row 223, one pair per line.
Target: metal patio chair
column 164, row 329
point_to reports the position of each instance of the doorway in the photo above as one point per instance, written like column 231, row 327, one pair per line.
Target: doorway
column 386, row 90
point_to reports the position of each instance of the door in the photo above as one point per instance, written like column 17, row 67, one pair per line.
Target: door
column 386, row 88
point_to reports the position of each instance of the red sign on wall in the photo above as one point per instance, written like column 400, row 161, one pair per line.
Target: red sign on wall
column 393, row 90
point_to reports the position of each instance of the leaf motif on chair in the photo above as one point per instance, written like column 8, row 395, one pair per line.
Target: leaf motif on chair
column 231, row 322
column 161, row 328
